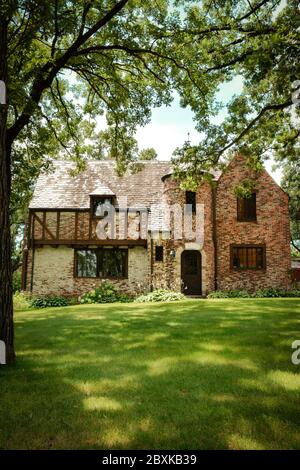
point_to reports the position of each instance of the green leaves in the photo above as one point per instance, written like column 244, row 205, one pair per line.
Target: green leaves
column 71, row 62
column 260, row 44
column 245, row 189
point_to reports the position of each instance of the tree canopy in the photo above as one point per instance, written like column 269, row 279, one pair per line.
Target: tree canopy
column 70, row 62
column 259, row 42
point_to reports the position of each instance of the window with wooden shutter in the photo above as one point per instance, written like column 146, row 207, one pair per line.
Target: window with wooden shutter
column 246, row 208
column 247, row 257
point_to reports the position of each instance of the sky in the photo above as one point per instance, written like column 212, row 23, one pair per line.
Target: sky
column 170, row 126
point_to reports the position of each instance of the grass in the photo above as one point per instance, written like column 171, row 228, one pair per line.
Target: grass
column 198, row 374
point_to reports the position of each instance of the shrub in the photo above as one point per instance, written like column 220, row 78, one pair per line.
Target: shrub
column 259, row 294
column 269, row 292
column 105, row 293
column 228, row 294
column 53, row 301
column 293, row 293
column 16, row 282
column 21, row 301
column 160, row 295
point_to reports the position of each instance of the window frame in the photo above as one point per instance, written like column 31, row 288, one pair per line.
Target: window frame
column 246, row 219
column 194, row 203
column 261, row 246
column 98, row 198
column 98, row 250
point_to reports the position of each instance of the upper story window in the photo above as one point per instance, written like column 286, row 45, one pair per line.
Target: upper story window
column 190, row 198
column 248, row 257
column 246, row 208
column 101, row 206
column 159, row 253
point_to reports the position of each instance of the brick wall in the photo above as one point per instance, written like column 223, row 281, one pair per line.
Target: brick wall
column 54, row 272
column 167, row 274
column 271, row 229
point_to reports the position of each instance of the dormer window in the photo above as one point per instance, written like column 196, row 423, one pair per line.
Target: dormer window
column 101, row 206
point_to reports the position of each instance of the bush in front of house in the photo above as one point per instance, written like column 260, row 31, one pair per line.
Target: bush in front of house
column 228, row 294
column 105, row 293
column 259, row 294
column 270, row 292
column 160, row 295
column 21, row 301
column 53, row 301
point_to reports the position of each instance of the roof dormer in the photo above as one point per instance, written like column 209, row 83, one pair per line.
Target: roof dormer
column 101, row 200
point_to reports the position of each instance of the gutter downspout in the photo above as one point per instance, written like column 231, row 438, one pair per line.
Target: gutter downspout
column 215, row 238
column 24, row 256
column 151, row 263
column 33, row 251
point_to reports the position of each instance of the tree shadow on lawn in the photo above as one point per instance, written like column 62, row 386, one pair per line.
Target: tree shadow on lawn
column 113, row 379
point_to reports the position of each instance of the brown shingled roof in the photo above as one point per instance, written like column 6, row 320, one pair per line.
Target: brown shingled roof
column 60, row 190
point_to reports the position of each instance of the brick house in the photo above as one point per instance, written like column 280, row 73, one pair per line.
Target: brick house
column 141, row 231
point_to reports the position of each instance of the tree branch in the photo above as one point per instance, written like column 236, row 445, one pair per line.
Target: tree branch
column 269, row 107
column 50, row 70
column 295, row 246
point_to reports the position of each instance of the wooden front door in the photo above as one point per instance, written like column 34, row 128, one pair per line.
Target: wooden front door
column 191, row 272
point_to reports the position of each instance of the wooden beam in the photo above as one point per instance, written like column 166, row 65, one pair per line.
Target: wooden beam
column 114, row 242
column 43, row 226
column 76, row 224
column 57, row 225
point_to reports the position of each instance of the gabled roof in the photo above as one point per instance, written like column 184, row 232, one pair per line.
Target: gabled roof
column 60, row 190
column 102, row 190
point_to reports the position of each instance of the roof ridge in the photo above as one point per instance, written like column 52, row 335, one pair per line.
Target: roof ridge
column 112, row 161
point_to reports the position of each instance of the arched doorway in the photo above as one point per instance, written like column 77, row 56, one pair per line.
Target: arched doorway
column 191, row 272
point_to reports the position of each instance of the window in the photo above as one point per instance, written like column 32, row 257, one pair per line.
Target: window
column 102, row 262
column 190, row 198
column 246, row 208
column 101, row 206
column 248, row 257
column 159, row 253
column 86, row 263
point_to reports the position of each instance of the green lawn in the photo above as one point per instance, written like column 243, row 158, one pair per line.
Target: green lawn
column 196, row 374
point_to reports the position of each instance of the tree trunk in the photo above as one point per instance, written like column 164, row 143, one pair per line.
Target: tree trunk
column 6, row 302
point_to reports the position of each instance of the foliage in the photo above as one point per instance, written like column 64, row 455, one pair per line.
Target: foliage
column 121, row 59
column 228, row 294
column 148, row 154
column 260, row 293
column 116, row 59
column 275, row 293
column 257, row 46
column 17, row 275
column 291, row 184
column 160, row 295
column 51, row 301
column 105, row 293
column 21, row 301
column 245, row 189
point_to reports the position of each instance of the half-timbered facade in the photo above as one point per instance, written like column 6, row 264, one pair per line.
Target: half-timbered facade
column 141, row 231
